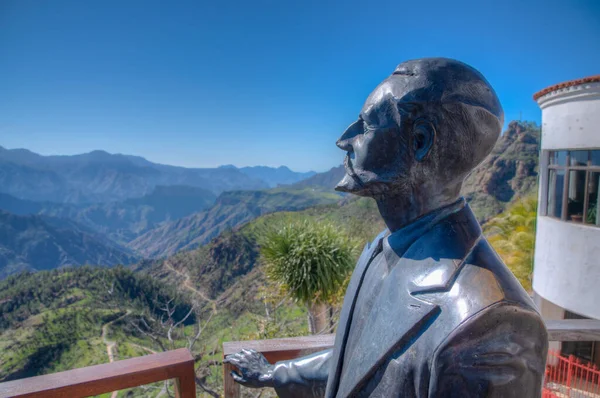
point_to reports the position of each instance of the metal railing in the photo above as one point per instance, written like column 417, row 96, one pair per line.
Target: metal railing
column 571, row 377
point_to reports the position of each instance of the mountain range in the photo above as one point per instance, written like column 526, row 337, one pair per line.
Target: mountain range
column 35, row 243
column 128, row 206
column 274, row 177
column 99, row 176
column 164, row 219
column 124, row 220
column 230, row 210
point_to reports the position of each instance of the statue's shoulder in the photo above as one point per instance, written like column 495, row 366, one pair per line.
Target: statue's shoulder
column 477, row 283
column 502, row 283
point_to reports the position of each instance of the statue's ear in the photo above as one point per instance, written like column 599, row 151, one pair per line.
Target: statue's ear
column 423, row 138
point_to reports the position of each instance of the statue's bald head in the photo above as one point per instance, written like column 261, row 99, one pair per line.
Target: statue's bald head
column 460, row 103
column 444, row 113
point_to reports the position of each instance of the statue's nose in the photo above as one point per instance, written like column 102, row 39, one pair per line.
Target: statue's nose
column 345, row 141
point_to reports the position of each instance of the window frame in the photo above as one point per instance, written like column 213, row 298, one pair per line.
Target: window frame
column 568, row 168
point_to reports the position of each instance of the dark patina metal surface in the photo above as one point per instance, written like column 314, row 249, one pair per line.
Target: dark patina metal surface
column 431, row 310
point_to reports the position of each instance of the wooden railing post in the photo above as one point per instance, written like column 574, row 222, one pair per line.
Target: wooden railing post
column 185, row 383
column 231, row 389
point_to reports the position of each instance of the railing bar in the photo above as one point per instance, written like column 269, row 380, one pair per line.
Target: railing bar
column 105, row 378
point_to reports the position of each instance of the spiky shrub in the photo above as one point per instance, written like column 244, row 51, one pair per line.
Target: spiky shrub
column 512, row 235
column 310, row 260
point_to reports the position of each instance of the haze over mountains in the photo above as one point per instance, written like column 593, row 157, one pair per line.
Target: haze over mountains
column 35, row 243
column 118, row 198
column 124, row 220
column 121, row 208
column 99, row 176
column 281, row 175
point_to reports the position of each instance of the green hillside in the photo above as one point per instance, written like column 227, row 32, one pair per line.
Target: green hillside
column 52, row 320
column 222, row 278
column 231, row 209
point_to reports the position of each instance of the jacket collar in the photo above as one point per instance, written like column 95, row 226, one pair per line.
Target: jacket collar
column 430, row 264
column 396, row 244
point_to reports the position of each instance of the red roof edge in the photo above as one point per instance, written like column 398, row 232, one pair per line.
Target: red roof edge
column 570, row 83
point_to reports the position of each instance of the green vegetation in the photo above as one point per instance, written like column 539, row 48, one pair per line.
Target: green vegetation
column 512, row 234
column 310, row 260
column 52, row 321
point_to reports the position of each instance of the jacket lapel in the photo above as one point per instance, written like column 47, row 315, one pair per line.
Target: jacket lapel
column 400, row 319
column 370, row 251
column 430, row 265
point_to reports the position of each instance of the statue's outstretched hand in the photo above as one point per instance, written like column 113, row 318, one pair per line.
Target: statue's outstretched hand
column 254, row 369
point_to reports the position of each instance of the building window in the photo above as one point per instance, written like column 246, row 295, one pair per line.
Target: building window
column 573, row 186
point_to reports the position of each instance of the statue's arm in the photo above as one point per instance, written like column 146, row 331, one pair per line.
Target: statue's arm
column 498, row 353
column 303, row 377
column 296, row 378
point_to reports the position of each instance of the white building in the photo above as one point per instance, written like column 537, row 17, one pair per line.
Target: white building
column 566, row 278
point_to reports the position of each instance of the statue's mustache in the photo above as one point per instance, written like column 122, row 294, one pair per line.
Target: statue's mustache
column 350, row 169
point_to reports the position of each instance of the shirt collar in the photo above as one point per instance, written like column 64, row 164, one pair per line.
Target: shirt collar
column 396, row 244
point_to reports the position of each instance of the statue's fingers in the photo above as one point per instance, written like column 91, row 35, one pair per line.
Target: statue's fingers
column 249, row 351
column 230, row 358
column 235, row 362
column 239, row 379
column 239, row 355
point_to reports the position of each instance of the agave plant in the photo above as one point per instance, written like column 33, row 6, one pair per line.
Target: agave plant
column 310, row 260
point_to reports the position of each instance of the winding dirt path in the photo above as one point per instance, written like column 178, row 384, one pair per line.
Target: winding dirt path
column 150, row 350
column 111, row 344
column 188, row 285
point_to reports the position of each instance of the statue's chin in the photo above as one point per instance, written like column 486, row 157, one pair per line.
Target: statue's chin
column 351, row 185
column 371, row 187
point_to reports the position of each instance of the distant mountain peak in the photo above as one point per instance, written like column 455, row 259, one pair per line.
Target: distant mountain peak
column 99, row 152
column 509, row 172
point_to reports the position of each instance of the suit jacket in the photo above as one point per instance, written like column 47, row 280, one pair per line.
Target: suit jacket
column 449, row 320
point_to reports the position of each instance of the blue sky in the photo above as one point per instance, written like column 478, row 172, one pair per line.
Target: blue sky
column 201, row 84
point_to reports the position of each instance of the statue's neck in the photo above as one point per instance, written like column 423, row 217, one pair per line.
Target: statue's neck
column 399, row 210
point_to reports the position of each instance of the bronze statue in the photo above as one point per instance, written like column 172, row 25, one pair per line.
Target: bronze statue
column 431, row 310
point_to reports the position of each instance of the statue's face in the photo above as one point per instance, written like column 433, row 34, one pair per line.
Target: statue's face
column 377, row 148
